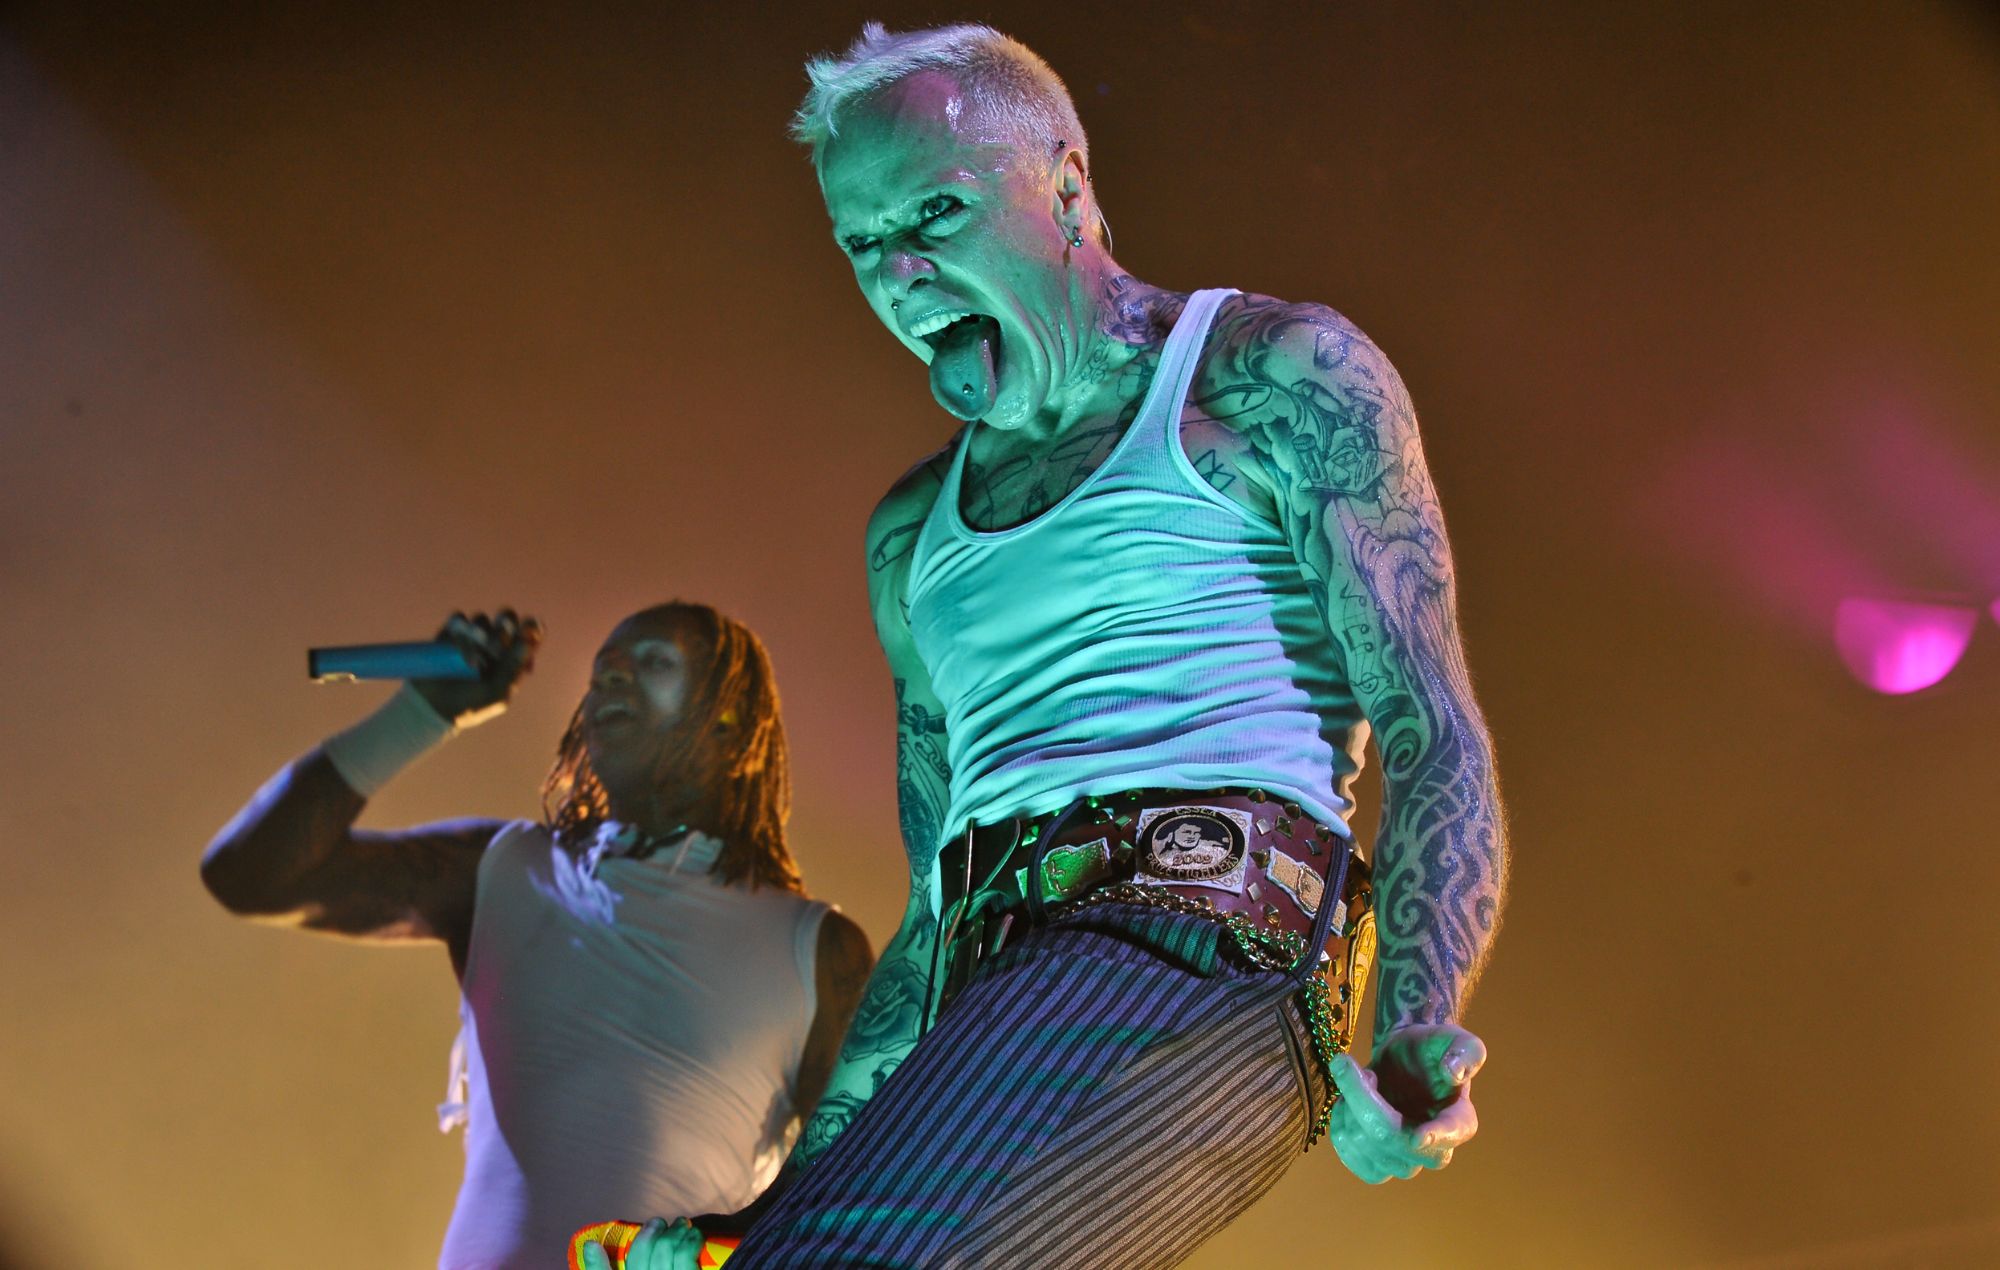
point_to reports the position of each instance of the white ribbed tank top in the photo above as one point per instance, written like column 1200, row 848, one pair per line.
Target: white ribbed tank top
column 632, row 1031
column 1143, row 632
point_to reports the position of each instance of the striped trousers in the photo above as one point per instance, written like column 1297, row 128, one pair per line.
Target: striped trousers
column 1090, row 1099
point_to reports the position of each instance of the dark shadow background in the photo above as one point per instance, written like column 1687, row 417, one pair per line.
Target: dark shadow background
column 318, row 320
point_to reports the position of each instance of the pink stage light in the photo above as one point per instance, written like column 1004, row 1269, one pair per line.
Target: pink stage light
column 1898, row 646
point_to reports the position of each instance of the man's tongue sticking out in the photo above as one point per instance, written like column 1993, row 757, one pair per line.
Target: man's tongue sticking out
column 965, row 370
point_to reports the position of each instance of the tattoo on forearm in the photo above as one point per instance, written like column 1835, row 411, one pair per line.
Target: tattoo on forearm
column 886, row 1026
column 834, row 1113
column 1328, row 414
column 892, row 1011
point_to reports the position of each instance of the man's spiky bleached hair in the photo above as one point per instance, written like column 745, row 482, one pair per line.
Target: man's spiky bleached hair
column 1004, row 80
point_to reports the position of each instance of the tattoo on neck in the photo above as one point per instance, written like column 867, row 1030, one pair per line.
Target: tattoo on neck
column 1136, row 313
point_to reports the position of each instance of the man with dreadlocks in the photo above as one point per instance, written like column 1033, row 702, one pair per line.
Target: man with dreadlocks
column 650, row 1003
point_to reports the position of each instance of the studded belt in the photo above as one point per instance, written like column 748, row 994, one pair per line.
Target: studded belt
column 1259, row 866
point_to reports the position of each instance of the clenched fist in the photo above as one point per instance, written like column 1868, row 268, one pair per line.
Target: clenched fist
column 1412, row 1107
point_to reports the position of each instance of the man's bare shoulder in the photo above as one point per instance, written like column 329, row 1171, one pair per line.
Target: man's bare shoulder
column 896, row 521
column 1284, row 345
column 1300, row 397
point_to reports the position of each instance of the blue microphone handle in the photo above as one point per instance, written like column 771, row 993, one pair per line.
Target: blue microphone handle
column 429, row 659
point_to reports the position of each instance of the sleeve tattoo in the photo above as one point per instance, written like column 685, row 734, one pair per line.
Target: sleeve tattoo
column 1330, row 419
column 892, row 1012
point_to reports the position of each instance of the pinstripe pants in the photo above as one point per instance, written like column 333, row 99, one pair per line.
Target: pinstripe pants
column 1088, row 1100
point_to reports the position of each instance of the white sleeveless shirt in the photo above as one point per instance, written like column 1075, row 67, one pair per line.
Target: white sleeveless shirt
column 1143, row 632
column 632, row 1031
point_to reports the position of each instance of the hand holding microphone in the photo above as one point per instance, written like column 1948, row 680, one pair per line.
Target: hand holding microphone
column 500, row 649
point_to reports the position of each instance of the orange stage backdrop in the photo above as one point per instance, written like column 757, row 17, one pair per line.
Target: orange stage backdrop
column 317, row 321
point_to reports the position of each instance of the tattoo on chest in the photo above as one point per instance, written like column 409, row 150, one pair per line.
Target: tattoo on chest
column 1017, row 488
column 1210, row 467
column 1012, row 486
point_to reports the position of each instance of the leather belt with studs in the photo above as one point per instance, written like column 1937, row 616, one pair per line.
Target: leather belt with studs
column 1259, row 865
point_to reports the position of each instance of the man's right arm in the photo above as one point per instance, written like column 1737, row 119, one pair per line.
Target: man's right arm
column 892, row 1013
column 293, row 856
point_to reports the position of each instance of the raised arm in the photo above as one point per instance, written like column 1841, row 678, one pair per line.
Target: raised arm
column 892, row 1012
column 1334, row 433
column 293, row 856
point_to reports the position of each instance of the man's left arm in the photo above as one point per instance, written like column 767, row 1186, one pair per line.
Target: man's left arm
column 1336, row 440
column 841, row 966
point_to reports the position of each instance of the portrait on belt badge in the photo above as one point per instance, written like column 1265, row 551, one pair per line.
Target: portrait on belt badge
column 1192, row 846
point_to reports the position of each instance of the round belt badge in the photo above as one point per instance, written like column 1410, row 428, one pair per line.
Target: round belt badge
column 1193, row 846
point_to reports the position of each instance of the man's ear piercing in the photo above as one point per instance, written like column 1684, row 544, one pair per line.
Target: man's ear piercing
column 1075, row 235
column 895, row 304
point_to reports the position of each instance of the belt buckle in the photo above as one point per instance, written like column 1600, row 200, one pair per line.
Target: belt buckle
column 1192, row 844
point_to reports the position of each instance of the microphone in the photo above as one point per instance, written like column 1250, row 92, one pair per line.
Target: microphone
column 429, row 659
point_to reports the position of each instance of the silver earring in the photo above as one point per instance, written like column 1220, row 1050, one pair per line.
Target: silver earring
column 895, row 304
column 1076, row 238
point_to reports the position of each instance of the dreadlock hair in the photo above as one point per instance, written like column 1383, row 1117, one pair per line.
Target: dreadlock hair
column 729, row 747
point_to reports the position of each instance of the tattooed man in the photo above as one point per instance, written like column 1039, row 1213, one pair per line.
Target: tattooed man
column 649, row 999
column 1180, row 559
